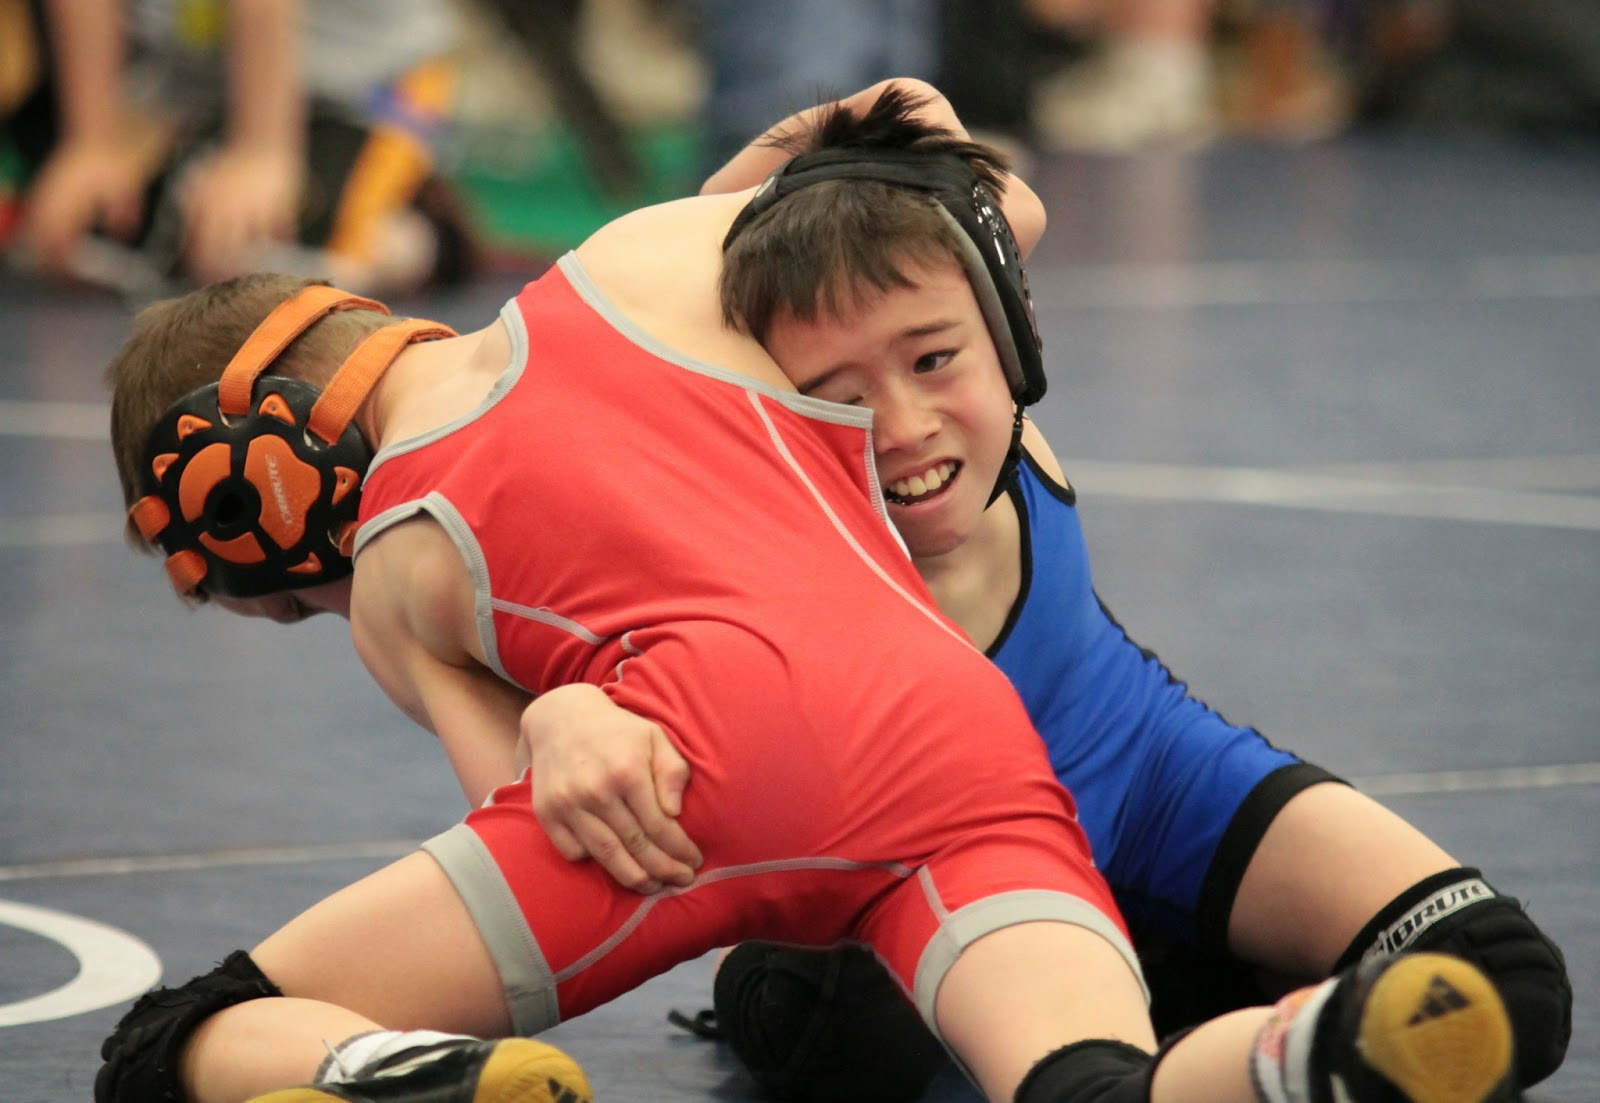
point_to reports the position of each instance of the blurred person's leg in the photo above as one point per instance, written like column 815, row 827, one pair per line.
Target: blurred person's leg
column 1149, row 81
column 1285, row 80
column 390, row 230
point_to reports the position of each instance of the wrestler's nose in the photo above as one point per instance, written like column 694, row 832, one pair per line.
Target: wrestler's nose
column 902, row 420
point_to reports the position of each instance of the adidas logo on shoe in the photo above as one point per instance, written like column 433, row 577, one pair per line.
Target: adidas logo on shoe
column 1433, row 1027
column 561, row 1093
column 1440, row 999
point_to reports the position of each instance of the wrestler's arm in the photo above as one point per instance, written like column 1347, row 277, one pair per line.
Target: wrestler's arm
column 91, row 176
column 607, row 785
column 754, row 163
column 248, row 191
column 410, row 618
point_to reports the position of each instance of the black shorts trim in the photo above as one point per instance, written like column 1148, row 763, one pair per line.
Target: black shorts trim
column 1239, row 842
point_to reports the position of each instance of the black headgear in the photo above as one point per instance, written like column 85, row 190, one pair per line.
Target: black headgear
column 988, row 249
column 251, row 484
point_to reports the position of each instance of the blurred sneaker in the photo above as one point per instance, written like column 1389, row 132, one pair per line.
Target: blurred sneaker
column 513, row 1070
column 1416, row 1028
column 1426, row 1028
column 1132, row 95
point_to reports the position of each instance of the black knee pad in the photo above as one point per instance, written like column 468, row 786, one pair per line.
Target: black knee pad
column 141, row 1056
column 1095, row 1071
column 1456, row 912
column 823, row 1026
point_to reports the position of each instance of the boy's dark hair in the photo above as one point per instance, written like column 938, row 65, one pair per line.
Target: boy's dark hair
column 839, row 242
column 179, row 345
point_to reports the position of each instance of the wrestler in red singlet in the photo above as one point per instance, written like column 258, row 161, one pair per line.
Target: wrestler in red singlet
column 713, row 552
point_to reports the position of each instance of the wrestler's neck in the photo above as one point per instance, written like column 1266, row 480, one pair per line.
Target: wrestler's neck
column 432, row 383
column 977, row 582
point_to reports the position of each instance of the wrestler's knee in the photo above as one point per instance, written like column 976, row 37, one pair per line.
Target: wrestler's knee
column 1093, row 1071
column 142, row 1055
column 814, row 1026
column 1456, row 912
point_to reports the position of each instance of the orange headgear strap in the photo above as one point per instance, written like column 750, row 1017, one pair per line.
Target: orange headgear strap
column 286, row 322
column 362, row 368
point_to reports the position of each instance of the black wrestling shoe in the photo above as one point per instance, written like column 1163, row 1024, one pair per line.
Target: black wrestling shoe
column 513, row 1070
column 1417, row 1028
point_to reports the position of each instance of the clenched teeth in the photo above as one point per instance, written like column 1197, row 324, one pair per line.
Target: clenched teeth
column 918, row 485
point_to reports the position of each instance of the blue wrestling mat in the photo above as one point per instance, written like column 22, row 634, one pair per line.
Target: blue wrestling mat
column 1333, row 413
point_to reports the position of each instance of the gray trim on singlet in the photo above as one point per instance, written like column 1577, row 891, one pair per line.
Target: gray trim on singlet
column 530, row 986
column 506, row 380
column 964, row 926
column 530, row 983
column 525, row 973
column 820, row 409
column 444, row 512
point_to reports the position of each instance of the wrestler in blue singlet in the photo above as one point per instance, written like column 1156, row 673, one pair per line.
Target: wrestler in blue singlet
column 1173, row 797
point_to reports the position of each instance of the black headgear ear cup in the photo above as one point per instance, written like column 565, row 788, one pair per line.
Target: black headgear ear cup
column 989, row 251
column 252, row 505
column 252, row 484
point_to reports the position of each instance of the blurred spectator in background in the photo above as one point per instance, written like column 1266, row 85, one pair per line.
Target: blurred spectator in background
column 1531, row 65
column 163, row 141
column 1179, row 72
column 1148, row 78
column 192, row 140
column 1176, row 72
column 767, row 59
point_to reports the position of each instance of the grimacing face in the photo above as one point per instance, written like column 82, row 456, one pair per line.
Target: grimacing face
column 922, row 359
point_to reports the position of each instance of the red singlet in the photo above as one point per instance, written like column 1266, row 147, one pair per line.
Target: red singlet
column 707, row 549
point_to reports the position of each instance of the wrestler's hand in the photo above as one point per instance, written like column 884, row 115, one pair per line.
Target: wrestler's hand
column 609, row 785
column 236, row 202
column 82, row 185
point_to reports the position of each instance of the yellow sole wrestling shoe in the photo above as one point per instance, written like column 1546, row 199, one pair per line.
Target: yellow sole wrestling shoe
column 1434, row 1027
column 513, row 1070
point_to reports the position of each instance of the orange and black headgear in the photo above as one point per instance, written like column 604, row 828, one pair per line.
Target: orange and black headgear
column 251, row 485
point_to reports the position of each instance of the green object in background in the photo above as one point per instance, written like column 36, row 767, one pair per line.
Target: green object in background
column 535, row 192
column 10, row 164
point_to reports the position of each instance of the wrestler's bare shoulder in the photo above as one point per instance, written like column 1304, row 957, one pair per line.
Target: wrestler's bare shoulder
column 660, row 267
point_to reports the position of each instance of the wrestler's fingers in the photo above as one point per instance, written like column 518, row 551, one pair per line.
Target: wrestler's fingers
column 620, row 849
column 661, row 844
column 671, row 771
column 565, row 842
column 655, row 840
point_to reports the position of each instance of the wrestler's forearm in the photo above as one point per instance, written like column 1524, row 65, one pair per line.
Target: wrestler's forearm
column 266, row 101
column 88, row 42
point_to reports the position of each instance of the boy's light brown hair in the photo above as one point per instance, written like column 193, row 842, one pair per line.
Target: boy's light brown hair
column 179, row 345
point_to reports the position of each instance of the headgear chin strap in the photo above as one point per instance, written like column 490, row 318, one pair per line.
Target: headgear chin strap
column 252, row 484
column 987, row 248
